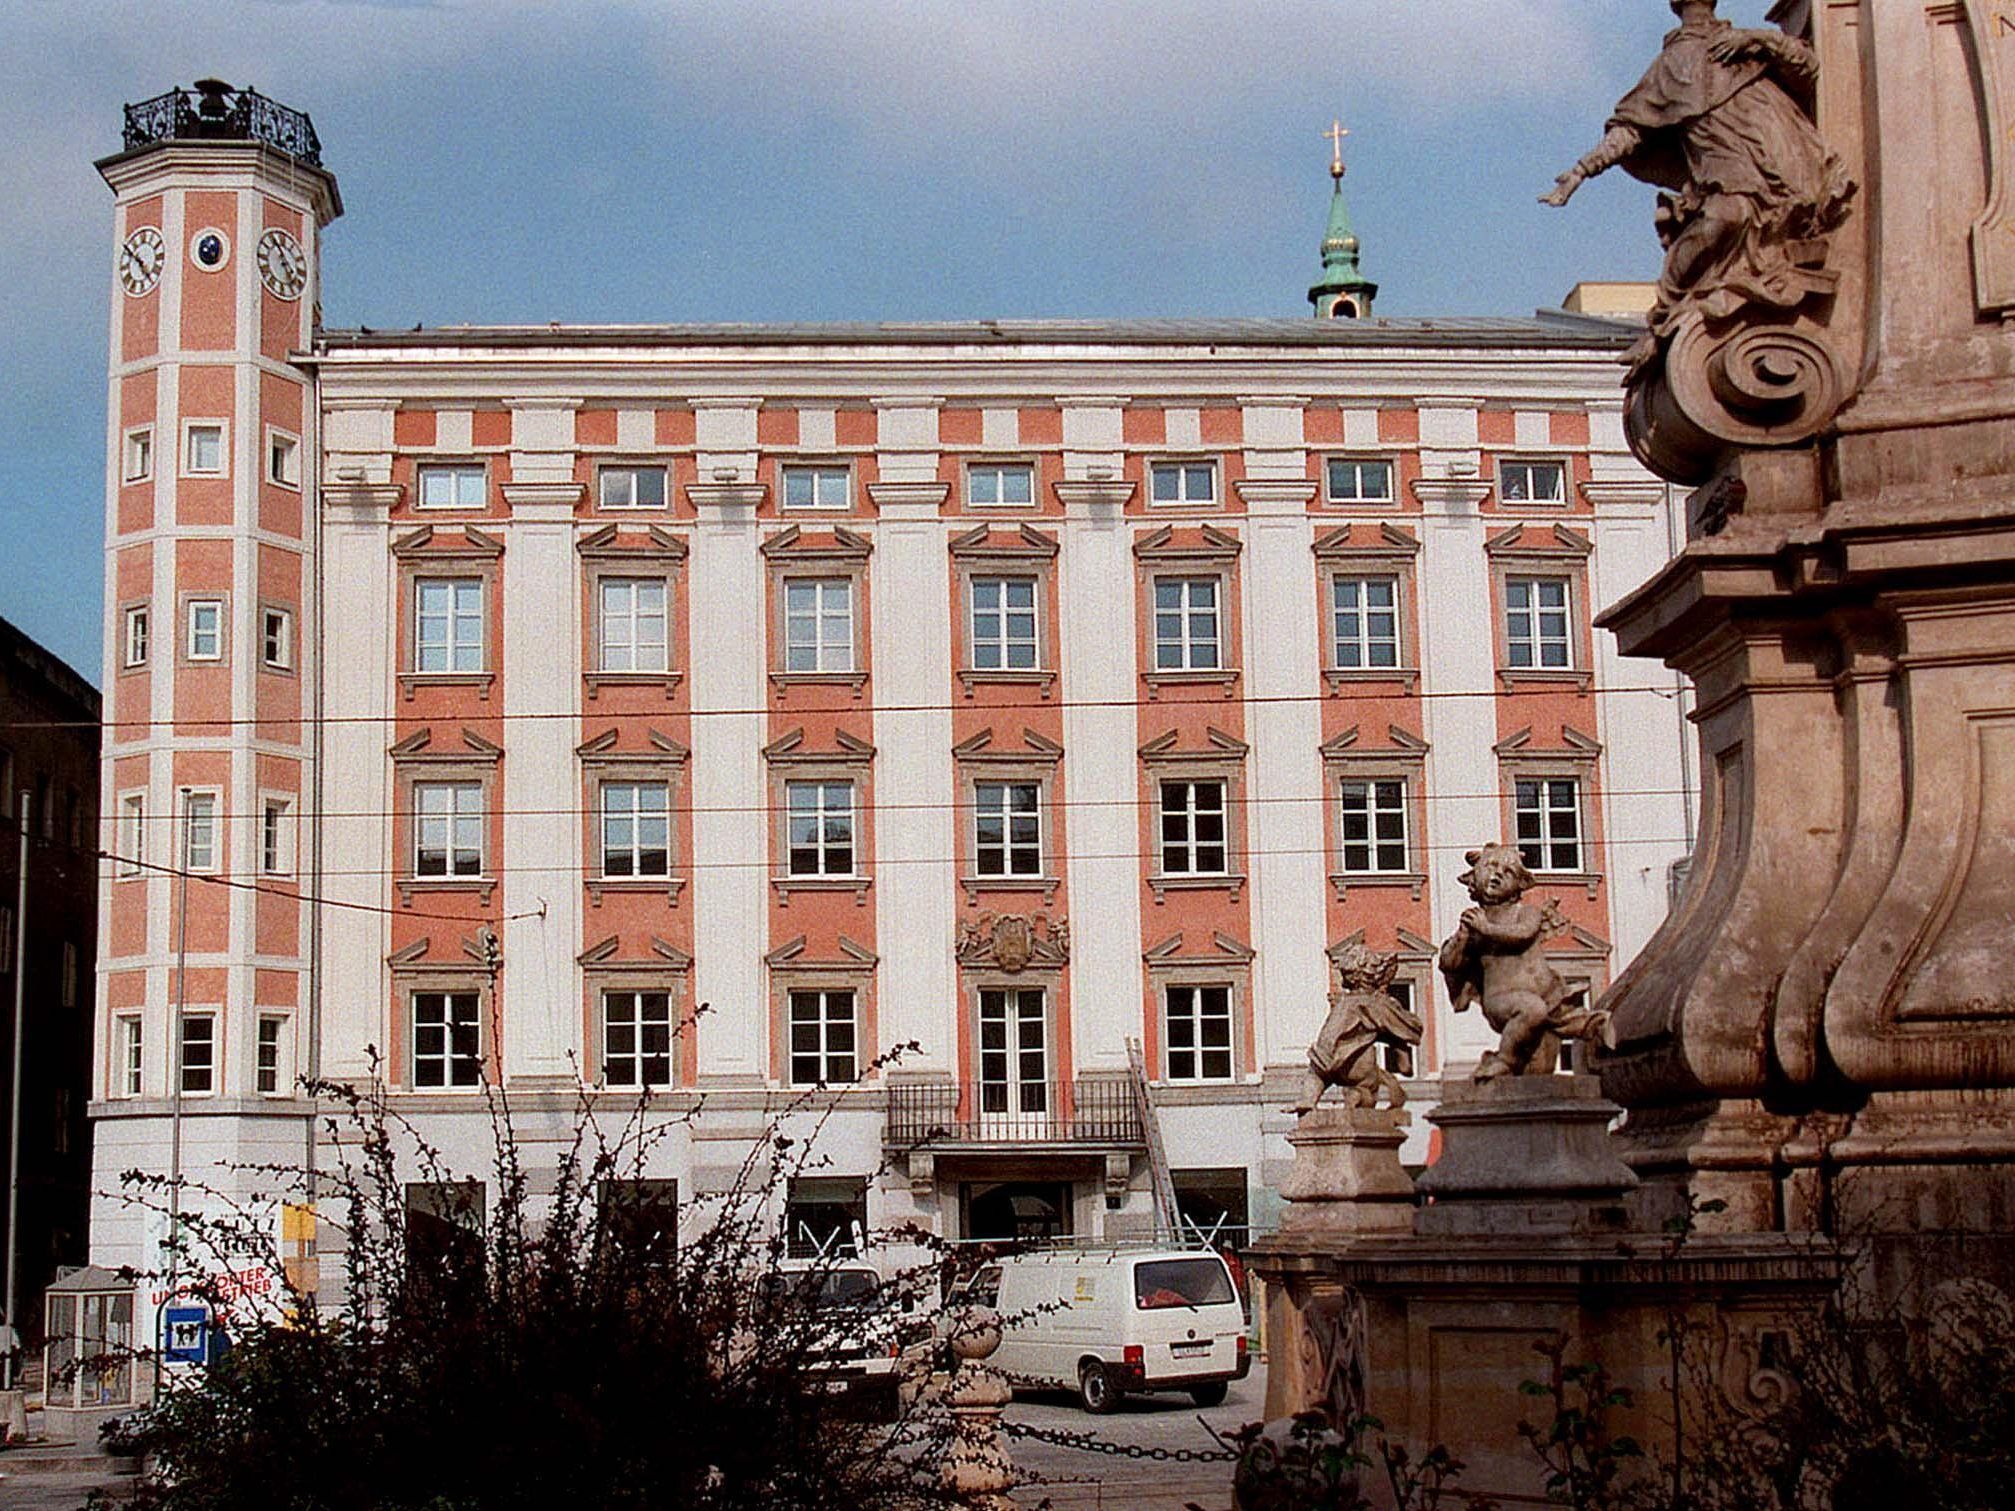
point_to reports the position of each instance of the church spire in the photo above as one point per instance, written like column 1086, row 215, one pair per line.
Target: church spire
column 1343, row 292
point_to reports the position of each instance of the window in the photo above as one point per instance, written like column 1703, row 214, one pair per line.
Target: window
column 1374, row 825
column 448, row 828
column 822, row 1037
column 1532, row 482
column 132, row 833
column 825, row 1215
column 636, row 1038
column 71, row 974
column 460, row 486
column 276, row 638
column 1354, row 480
column 1193, row 829
column 633, row 487
column 203, row 453
column 633, row 624
column 276, row 857
column 199, row 1054
column 821, row 840
column 1008, row 832
column 1365, row 622
column 1186, row 624
column 274, row 1056
column 636, row 829
column 448, row 624
column 128, row 1056
column 815, row 487
column 447, row 1039
column 1014, row 1051
column 1193, row 483
column 1398, row 1058
column 199, row 831
column 206, row 629
column 1548, row 814
column 1535, row 623
column 1004, row 619
column 139, row 465
column 283, row 459
column 996, row 484
column 1199, row 1033
column 640, row 1219
column 136, row 635
column 819, row 624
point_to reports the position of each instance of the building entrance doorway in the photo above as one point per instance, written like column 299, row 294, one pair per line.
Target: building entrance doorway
column 1009, row 1210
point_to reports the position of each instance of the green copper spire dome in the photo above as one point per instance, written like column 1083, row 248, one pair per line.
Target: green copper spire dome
column 1343, row 292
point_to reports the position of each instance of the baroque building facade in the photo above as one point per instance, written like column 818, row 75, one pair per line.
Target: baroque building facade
column 943, row 719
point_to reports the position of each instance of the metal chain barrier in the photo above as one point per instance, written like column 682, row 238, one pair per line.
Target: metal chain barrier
column 1085, row 1442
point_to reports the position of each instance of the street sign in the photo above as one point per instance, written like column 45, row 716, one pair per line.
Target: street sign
column 186, row 1334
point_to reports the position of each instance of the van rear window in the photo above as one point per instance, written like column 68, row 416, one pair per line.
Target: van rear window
column 1160, row 1283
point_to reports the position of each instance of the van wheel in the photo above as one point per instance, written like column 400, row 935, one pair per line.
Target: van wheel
column 1096, row 1390
column 1209, row 1395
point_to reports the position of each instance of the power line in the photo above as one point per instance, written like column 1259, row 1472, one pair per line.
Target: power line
column 276, row 889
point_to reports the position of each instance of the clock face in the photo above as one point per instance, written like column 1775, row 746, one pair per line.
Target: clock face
column 283, row 266
column 141, row 260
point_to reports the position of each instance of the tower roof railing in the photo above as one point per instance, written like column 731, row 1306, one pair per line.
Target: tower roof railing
column 214, row 111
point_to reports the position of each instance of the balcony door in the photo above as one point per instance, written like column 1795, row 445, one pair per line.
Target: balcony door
column 1014, row 1087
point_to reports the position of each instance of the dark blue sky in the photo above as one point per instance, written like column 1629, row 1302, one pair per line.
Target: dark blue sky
column 809, row 160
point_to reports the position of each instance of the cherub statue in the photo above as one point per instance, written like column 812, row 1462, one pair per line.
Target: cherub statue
column 1494, row 958
column 1362, row 1016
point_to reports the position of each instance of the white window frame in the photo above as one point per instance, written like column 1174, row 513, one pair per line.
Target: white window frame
column 273, row 1074
column 190, row 428
column 826, row 1045
column 283, row 458
column 633, row 853
column 461, row 472
column 821, row 812
column 643, row 656
column 820, row 476
column 456, row 814
column 211, row 818
column 447, row 1063
column 137, row 455
column 1539, row 852
column 1363, row 641
column 1360, row 797
column 1200, row 1051
column 629, row 473
column 832, row 656
column 276, row 836
column 1534, row 640
column 1004, row 808
column 276, row 651
column 1529, row 466
column 138, row 632
column 1191, row 849
column 1358, row 464
column 643, row 1025
column 1185, row 471
column 132, row 836
column 212, row 1070
column 129, row 1055
column 451, row 646
column 1185, row 643
column 191, row 610
column 1012, row 1055
column 996, row 474
column 1003, row 642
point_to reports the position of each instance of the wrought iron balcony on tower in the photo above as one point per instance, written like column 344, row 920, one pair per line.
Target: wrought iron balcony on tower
column 214, row 111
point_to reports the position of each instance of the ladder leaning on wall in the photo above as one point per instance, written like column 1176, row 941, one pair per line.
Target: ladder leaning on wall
column 1167, row 1217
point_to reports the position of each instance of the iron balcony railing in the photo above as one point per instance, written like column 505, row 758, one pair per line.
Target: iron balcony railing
column 214, row 111
column 1091, row 1110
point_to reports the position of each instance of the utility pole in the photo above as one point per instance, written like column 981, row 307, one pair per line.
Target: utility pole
column 14, row 1097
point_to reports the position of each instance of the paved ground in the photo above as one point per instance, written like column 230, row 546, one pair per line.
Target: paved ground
column 1075, row 1479
column 49, row 1492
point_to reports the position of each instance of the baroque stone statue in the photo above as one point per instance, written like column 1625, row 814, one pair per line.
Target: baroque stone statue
column 1362, row 1016
column 1495, row 959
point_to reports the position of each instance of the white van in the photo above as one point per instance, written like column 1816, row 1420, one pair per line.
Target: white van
column 1104, row 1322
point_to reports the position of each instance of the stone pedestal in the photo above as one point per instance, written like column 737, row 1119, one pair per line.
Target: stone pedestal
column 1525, row 1154
column 1347, row 1178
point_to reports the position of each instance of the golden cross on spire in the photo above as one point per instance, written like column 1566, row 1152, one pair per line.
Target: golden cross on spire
column 1335, row 135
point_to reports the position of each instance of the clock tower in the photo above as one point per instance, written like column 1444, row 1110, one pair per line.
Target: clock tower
column 210, row 644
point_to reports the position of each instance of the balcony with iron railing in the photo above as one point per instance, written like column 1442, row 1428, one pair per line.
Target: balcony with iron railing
column 1089, row 1113
column 214, row 111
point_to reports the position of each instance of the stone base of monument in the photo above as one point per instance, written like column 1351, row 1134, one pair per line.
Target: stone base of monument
column 1524, row 1238
column 1347, row 1178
